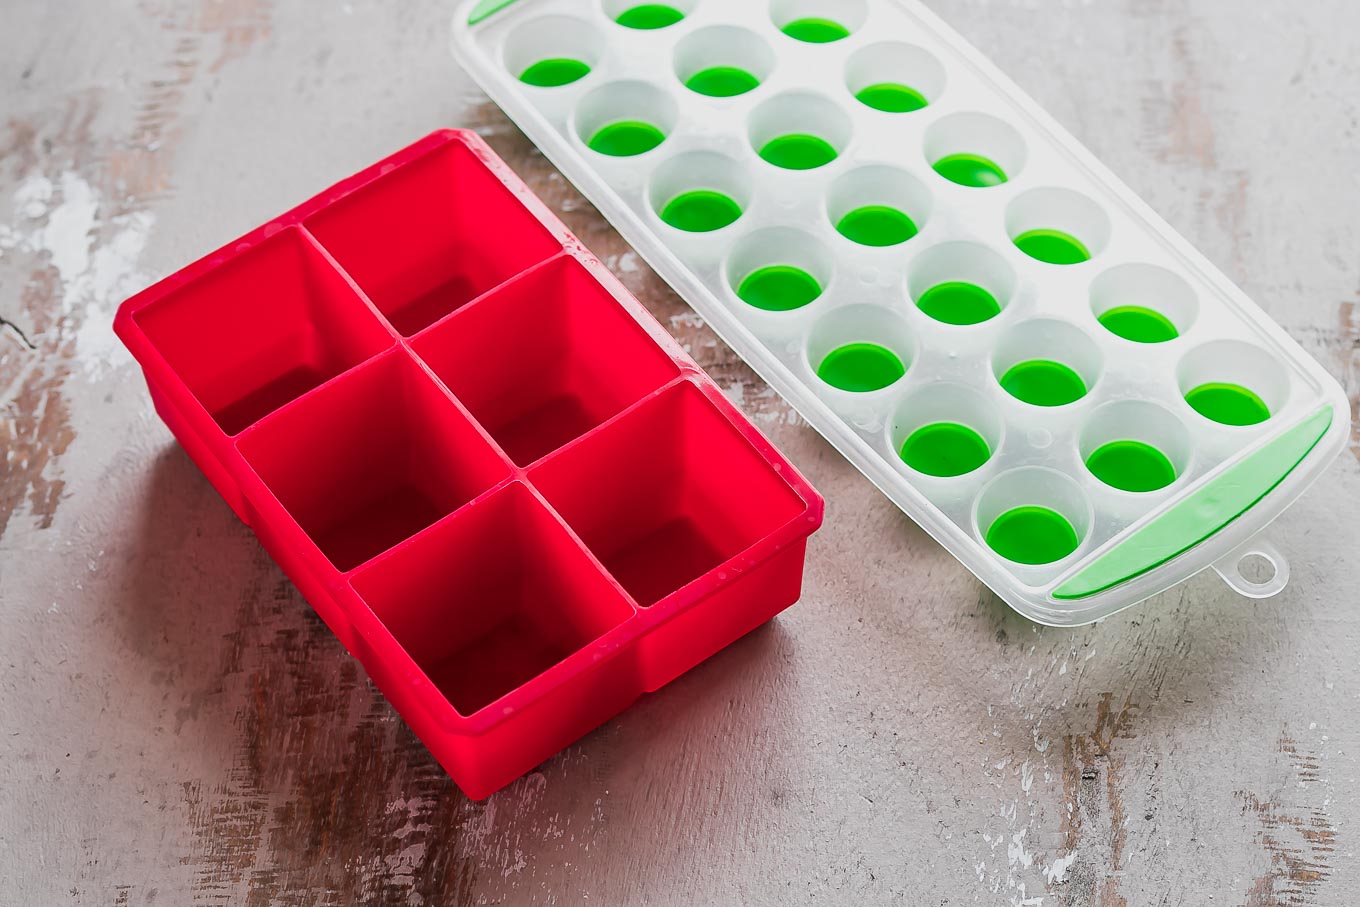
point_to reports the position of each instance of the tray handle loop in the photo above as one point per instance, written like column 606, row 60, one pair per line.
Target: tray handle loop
column 1229, row 569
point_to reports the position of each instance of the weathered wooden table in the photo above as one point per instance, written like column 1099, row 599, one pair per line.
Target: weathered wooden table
column 176, row 727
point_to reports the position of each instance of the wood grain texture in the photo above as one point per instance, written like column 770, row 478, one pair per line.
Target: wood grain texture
column 176, row 727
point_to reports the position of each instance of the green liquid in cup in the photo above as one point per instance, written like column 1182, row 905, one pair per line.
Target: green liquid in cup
column 1228, row 404
column 798, row 152
column 945, row 450
column 1042, row 382
column 959, row 303
column 861, row 367
column 722, row 82
column 700, row 211
column 1053, row 247
column 891, row 97
column 1131, row 466
column 649, row 16
column 876, row 225
column 1032, row 535
column 779, row 288
column 554, row 72
column 1141, row 325
column 816, row 31
column 626, row 138
column 971, row 170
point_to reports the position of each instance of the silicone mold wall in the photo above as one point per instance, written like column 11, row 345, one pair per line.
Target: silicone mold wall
column 504, row 487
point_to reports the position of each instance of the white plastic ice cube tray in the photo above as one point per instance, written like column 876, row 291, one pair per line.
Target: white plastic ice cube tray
column 1232, row 480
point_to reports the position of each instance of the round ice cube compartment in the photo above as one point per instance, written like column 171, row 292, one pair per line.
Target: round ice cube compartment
column 723, row 61
column 552, row 51
column 647, row 16
column 1034, row 517
column 1233, row 383
column 1057, row 226
column 859, row 355
column 1143, row 303
column 798, row 130
column 819, row 21
column 778, row 271
column 894, row 77
column 1135, row 446
column 961, row 283
column 699, row 191
column 625, row 119
column 975, row 149
column 878, row 205
column 1047, row 363
column 946, row 431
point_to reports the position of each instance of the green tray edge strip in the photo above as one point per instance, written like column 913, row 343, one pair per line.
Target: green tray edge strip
column 1206, row 511
column 486, row 9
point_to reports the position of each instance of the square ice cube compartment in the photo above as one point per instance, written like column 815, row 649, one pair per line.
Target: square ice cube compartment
column 983, row 319
column 433, row 406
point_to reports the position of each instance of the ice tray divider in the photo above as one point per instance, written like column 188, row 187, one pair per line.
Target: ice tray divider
column 405, row 343
column 206, row 426
column 763, row 549
column 687, row 374
column 154, row 361
column 643, row 620
column 262, row 498
column 436, row 704
column 565, row 255
column 340, row 272
column 325, row 253
column 638, row 611
column 643, row 617
column 482, row 297
column 170, row 389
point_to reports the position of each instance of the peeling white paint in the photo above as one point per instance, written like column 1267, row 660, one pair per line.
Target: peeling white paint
column 33, row 195
column 1016, row 855
column 1056, row 874
column 97, row 260
column 66, row 237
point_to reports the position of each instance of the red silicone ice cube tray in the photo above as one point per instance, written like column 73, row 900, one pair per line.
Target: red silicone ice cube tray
column 505, row 488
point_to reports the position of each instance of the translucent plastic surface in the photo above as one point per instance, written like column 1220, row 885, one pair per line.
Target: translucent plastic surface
column 938, row 277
